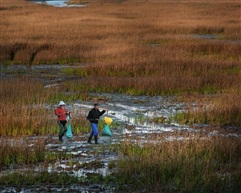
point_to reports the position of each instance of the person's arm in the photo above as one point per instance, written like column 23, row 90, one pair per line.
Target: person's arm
column 102, row 112
column 56, row 111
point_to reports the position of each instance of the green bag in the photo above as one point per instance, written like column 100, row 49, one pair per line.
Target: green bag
column 69, row 131
column 106, row 131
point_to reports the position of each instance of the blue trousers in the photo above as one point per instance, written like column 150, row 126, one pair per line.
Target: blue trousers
column 94, row 127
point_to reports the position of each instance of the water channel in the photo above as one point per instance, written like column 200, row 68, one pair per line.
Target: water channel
column 58, row 3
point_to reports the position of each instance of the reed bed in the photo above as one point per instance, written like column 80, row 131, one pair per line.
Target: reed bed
column 39, row 178
column 16, row 153
column 136, row 47
column 195, row 165
column 223, row 110
column 144, row 47
column 27, row 108
column 108, row 31
column 22, row 108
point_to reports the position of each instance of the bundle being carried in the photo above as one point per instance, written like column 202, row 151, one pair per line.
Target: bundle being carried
column 106, row 131
column 69, row 128
column 108, row 120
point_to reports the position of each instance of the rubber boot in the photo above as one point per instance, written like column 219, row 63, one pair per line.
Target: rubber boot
column 60, row 137
column 89, row 139
column 96, row 140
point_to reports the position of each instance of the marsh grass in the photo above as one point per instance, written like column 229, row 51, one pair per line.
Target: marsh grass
column 19, row 153
column 136, row 47
column 202, row 165
column 38, row 178
column 24, row 110
column 224, row 110
column 116, row 35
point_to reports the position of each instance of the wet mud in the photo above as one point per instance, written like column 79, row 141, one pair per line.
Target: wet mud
column 133, row 122
column 49, row 75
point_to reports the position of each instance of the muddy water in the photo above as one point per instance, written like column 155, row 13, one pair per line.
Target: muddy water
column 215, row 37
column 132, row 121
column 58, row 3
column 49, row 75
column 75, row 188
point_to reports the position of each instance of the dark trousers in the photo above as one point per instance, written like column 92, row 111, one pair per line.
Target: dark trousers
column 62, row 129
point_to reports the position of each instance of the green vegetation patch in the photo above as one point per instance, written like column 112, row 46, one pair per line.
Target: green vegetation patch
column 20, row 153
column 37, row 178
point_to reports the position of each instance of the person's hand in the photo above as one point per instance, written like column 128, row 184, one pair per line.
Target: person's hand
column 105, row 109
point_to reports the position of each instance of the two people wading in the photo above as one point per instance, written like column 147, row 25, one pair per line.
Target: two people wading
column 93, row 118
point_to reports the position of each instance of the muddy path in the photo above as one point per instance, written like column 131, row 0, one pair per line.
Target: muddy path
column 132, row 122
column 136, row 119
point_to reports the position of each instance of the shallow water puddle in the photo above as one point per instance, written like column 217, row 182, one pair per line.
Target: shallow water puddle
column 136, row 113
column 216, row 37
column 59, row 3
column 73, row 188
column 132, row 122
column 49, row 75
column 133, row 116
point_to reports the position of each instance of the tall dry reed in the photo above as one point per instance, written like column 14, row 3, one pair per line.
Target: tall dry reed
column 194, row 165
column 22, row 107
column 27, row 108
column 105, row 31
column 223, row 110
column 137, row 47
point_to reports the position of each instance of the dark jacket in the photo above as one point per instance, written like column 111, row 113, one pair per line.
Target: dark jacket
column 94, row 115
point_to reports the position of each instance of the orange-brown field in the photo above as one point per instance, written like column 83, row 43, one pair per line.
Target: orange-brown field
column 191, row 49
column 120, row 34
column 139, row 47
column 152, row 41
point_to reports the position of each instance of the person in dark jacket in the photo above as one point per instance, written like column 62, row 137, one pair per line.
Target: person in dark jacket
column 93, row 117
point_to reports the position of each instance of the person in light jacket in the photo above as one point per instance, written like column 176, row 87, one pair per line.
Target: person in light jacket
column 62, row 119
column 93, row 117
